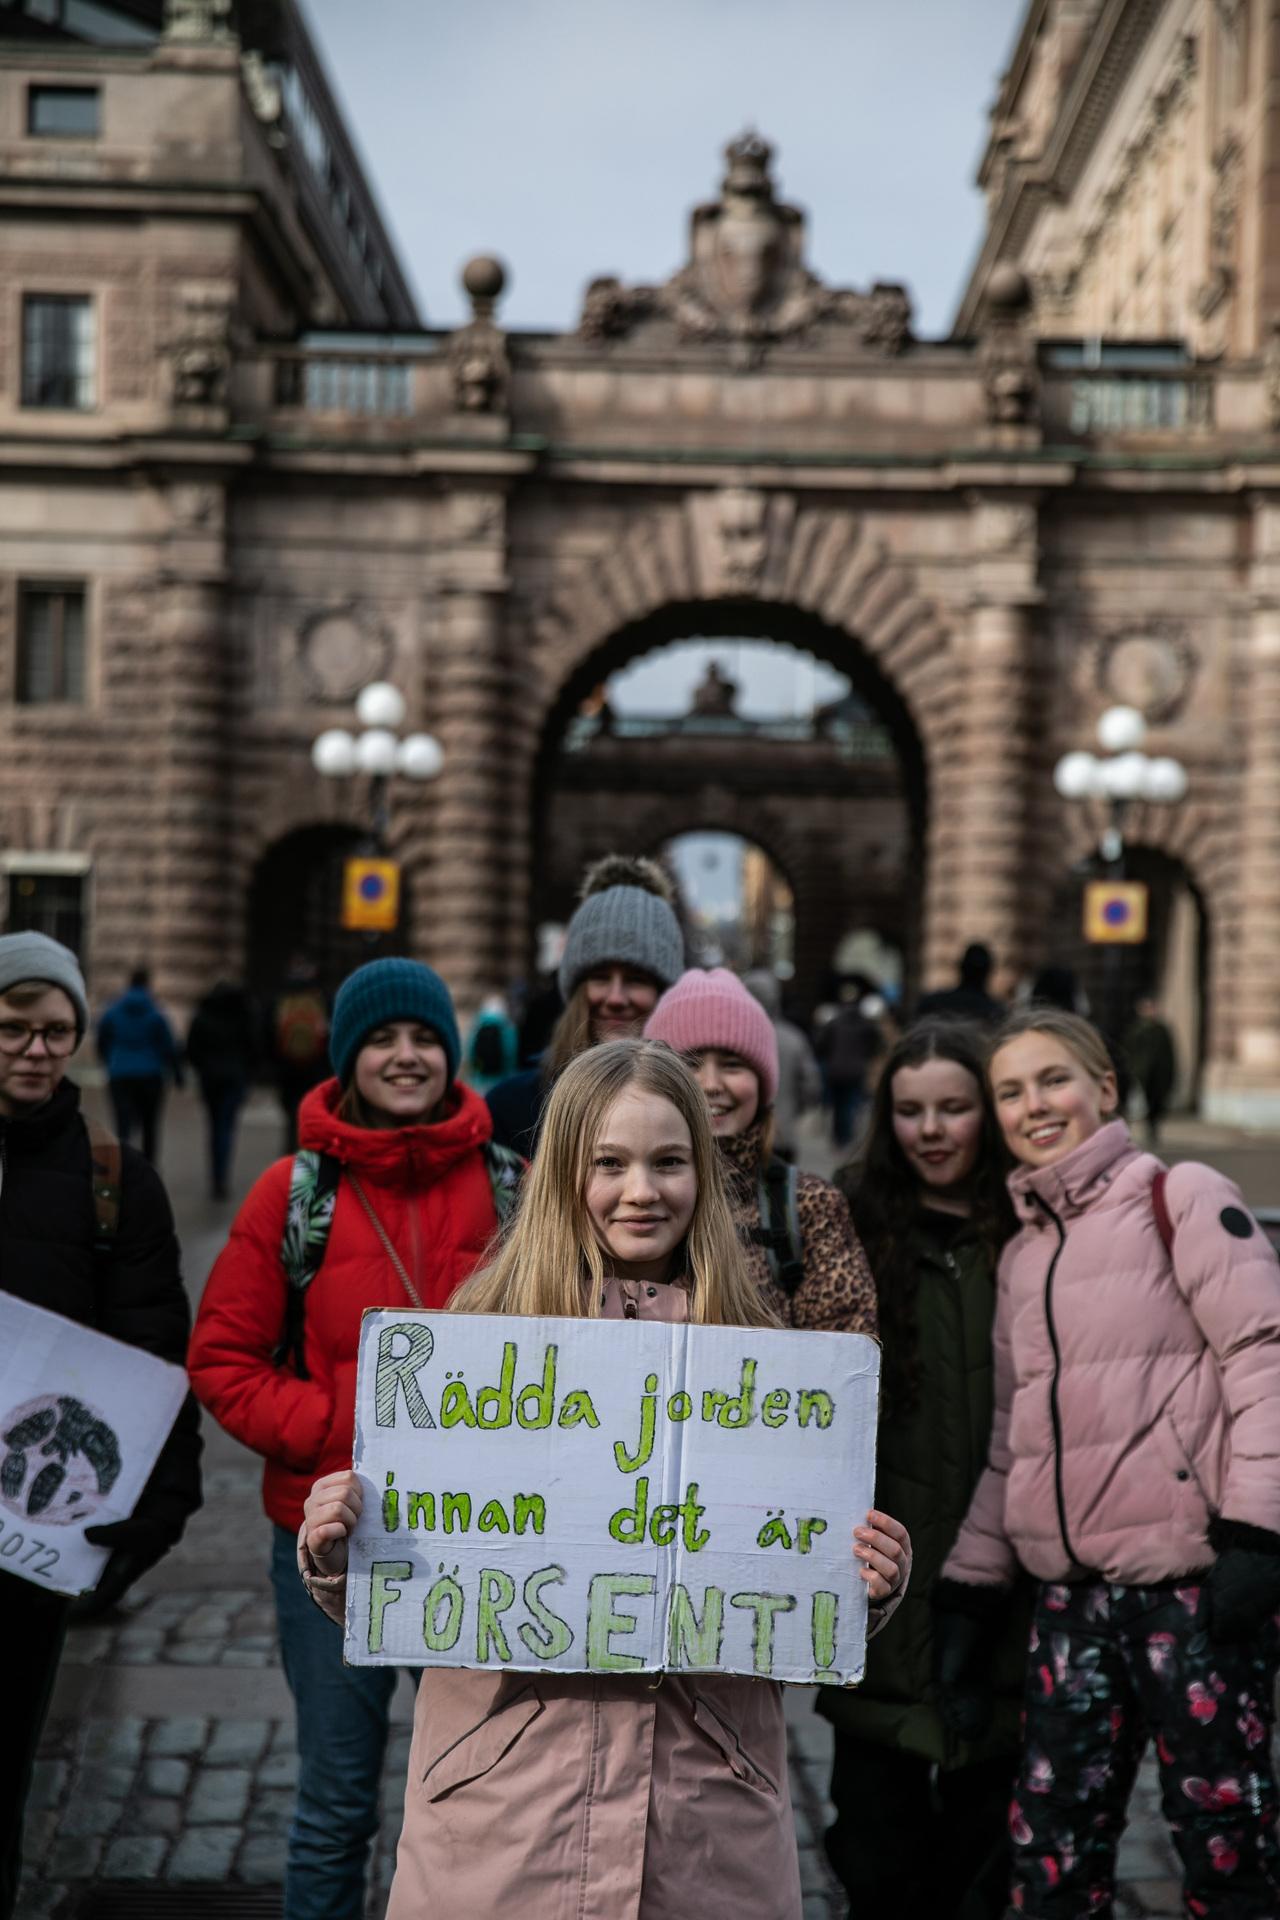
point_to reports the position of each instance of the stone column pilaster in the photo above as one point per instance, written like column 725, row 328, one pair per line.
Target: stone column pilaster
column 978, row 839
column 1257, row 1039
column 189, row 911
column 463, row 905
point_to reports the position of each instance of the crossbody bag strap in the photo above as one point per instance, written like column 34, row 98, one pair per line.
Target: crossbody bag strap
column 385, row 1238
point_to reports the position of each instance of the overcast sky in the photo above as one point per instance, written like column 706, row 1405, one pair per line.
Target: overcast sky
column 572, row 137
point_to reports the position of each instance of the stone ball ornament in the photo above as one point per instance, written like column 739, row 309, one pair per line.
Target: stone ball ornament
column 1008, row 289
column 484, row 277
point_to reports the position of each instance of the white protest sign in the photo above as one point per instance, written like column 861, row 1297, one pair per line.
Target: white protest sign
column 82, row 1422
column 610, row 1497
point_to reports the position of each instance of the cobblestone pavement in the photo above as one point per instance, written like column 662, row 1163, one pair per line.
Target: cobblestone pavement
column 169, row 1754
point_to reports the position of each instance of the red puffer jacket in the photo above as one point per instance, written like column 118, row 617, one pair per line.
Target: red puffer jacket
column 430, row 1189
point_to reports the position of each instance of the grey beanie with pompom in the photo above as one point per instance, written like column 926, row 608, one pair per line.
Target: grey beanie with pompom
column 625, row 917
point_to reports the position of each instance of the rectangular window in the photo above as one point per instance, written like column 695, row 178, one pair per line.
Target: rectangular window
column 50, row 645
column 63, row 113
column 51, row 903
column 59, row 351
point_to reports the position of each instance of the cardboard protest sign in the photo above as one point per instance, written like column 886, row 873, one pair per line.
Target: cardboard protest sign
column 591, row 1496
column 82, row 1422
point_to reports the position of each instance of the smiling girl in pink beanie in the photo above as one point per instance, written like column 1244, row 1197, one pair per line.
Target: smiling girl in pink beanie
column 799, row 1237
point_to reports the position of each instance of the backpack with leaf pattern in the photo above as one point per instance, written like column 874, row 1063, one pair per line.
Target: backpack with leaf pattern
column 313, row 1194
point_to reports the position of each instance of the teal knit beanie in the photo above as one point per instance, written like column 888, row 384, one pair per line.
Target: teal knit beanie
column 387, row 990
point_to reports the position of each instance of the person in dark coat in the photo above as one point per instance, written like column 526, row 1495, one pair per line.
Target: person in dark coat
column 140, row 1054
column 221, row 1051
column 1153, row 1062
column 970, row 998
column 298, row 1040
column 920, row 1827
column 131, row 1289
column 846, row 1047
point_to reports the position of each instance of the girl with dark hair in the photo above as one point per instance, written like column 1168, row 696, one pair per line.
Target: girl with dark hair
column 920, row 1812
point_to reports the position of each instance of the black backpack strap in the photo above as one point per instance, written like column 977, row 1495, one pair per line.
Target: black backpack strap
column 104, row 1162
column 779, row 1229
column 313, row 1194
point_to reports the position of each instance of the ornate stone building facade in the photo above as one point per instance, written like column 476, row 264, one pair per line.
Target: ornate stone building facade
column 215, row 525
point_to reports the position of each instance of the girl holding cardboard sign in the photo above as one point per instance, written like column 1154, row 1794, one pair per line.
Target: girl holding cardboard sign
column 609, row 1793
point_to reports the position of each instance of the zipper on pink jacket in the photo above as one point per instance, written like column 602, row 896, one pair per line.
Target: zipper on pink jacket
column 1055, row 1410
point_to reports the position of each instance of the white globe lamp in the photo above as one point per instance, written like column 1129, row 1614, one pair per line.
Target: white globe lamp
column 420, row 756
column 333, row 753
column 1164, row 780
column 1123, row 777
column 1076, row 776
column 376, row 751
column 1121, row 729
column 380, row 705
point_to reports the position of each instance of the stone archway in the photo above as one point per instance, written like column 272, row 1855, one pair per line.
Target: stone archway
column 737, row 561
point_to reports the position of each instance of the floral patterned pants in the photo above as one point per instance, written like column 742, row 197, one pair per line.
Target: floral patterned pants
column 1108, row 1668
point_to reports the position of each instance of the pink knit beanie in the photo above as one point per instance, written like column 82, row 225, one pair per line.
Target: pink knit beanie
column 714, row 1009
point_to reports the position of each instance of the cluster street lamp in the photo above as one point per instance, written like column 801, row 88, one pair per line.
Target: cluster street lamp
column 1120, row 778
column 1127, row 775
column 379, row 751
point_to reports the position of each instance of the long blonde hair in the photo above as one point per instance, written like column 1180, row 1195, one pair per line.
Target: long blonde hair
column 570, row 1036
column 551, row 1263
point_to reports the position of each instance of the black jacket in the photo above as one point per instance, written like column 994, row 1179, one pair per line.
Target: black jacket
column 134, row 1293
column 222, row 1042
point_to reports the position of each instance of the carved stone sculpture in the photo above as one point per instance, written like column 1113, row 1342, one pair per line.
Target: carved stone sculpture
column 1010, row 376
column 478, row 363
column 195, row 20
column 200, row 355
column 745, row 281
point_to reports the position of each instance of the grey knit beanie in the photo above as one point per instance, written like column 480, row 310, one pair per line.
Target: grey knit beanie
column 34, row 956
column 625, row 917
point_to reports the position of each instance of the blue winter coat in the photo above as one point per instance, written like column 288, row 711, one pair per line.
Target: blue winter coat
column 136, row 1041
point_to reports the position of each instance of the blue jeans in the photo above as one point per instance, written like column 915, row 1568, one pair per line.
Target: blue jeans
column 342, row 1716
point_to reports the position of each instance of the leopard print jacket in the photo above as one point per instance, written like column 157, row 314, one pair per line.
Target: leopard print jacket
column 837, row 1293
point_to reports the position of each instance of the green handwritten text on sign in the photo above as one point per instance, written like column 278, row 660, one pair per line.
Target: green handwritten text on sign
column 610, row 1496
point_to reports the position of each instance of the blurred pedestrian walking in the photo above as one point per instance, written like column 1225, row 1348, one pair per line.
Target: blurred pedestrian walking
column 970, row 998
column 921, row 1813
column 846, row 1045
column 622, row 947
column 1153, row 1062
column 1134, row 1469
column 298, row 1040
column 392, row 1198
column 85, row 1232
column 491, row 1049
column 222, row 1050
column 137, row 1047
column 799, row 1075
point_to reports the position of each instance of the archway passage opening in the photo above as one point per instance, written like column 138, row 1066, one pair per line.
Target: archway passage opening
column 295, row 910
column 736, row 903
column 754, row 721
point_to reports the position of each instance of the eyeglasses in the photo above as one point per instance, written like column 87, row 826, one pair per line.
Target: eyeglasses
column 16, row 1037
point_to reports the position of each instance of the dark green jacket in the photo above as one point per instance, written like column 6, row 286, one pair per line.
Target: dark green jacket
column 928, row 1461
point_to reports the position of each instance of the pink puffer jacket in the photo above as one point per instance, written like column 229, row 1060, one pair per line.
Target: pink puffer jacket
column 1137, row 1397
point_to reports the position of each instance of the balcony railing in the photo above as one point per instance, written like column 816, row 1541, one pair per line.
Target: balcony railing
column 368, row 387
column 1122, row 403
